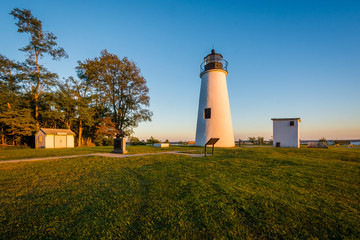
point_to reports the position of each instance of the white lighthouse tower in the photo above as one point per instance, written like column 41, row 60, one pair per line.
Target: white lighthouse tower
column 214, row 117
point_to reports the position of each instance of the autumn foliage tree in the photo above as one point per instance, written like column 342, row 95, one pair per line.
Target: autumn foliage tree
column 121, row 89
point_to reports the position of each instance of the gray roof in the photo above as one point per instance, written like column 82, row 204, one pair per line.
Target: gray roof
column 54, row 131
column 285, row 119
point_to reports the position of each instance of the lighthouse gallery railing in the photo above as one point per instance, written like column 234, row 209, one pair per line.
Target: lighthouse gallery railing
column 216, row 63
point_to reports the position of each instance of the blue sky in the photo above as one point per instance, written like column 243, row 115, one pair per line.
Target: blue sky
column 286, row 58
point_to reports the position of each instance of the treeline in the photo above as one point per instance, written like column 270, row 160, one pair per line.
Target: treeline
column 136, row 141
column 259, row 140
column 106, row 99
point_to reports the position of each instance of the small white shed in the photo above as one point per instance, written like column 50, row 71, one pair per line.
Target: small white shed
column 286, row 132
column 54, row 138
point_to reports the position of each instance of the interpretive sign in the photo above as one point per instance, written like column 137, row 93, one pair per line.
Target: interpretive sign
column 120, row 145
column 212, row 142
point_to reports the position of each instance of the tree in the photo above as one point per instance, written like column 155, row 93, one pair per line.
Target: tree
column 41, row 43
column 74, row 105
column 107, row 128
column 49, row 113
column 271, row 141
column 10, row 78
column 15, row 118
column 323, row 139
column 152, row 140
column 17, row 123
column 260, row 140
column 85, row 110
column 121, row 88
column 65, row 102
column 134, row 140
column 252, row 139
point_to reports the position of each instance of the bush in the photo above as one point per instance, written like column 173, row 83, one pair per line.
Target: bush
column 135, row 141
column 152, row 140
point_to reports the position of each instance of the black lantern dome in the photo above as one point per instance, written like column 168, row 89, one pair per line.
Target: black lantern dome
column 213, row 61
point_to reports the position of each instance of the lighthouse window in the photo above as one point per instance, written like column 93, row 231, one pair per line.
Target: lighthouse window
column 207, row 113
column 291, row 123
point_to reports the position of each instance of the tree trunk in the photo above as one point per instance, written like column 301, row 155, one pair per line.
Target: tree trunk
column 36, row 118
column 36, row 96
column 2, row 136
column 80, row 133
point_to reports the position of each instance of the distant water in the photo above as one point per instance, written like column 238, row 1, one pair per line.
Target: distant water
column 355, row 143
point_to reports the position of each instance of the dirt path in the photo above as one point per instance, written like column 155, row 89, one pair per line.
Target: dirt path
column 113, row 155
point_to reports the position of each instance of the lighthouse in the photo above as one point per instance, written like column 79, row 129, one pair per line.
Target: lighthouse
column 214, row 117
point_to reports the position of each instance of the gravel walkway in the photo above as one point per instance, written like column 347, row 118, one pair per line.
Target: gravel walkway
column 113, row 155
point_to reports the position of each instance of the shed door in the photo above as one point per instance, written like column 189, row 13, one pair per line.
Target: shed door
column 60, row 142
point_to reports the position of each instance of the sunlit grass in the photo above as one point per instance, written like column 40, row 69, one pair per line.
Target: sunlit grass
column 256, row 193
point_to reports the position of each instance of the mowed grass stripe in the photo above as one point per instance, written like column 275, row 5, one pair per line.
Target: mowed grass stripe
column 238, row 193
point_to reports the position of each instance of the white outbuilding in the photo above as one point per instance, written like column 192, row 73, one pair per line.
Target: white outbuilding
column 54, row 138
column 286, row 132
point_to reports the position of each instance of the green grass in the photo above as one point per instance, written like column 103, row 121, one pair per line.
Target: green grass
column 9, row 153
column 258, row 193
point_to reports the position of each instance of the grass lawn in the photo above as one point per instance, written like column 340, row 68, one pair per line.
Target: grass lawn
column 10, row 153
column 258, row 193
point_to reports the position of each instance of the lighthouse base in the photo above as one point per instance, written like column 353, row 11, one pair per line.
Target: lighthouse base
column 223, row 141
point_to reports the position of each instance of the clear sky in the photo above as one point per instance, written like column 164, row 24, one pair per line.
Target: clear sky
column 287, row 58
